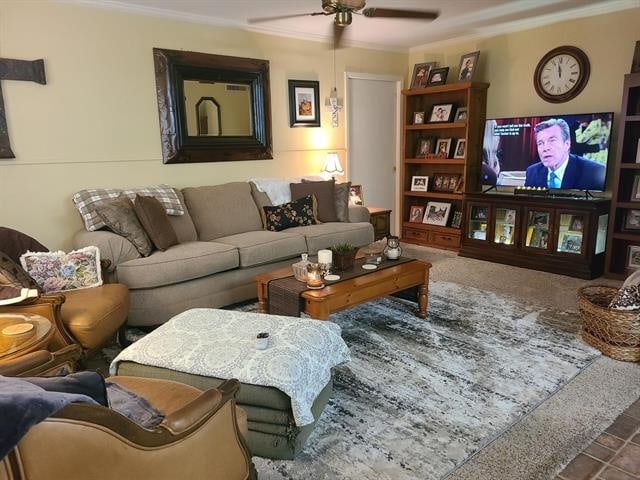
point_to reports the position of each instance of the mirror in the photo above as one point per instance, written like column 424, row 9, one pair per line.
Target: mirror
column 212, row 107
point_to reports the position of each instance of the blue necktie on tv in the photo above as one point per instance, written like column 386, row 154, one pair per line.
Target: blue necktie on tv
column 554, row 181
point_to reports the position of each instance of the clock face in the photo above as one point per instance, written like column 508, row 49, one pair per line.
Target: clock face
column 561, row 74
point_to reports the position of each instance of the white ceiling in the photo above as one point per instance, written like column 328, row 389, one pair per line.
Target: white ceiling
column 459, row 19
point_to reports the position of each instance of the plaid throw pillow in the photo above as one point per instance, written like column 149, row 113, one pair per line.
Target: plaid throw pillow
column 86, row 200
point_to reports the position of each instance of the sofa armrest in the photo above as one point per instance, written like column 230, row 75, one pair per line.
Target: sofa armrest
column 112, row 247
column 358, row 213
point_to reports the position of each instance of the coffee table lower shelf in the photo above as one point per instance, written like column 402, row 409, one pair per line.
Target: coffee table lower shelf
column 319, row 304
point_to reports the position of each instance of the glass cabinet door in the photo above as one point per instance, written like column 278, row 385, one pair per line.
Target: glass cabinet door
column 505, row 226
column 570, row 230
column 478, row 222
column 537, row 234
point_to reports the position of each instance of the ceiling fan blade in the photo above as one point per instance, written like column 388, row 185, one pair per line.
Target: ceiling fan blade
column 338, row 31
column 281, row 17
column 397, row 13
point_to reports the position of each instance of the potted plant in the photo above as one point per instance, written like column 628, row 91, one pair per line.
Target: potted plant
column 344, row 254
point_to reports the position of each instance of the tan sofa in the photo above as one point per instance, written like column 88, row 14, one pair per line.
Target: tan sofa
column 222, row 248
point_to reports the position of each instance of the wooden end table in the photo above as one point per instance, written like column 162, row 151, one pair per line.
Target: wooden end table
column 12, row 346
column 319, row 304
column 380, row 218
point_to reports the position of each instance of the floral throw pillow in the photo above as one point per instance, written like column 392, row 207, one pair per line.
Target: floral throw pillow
column 59, row 271
column 293, row 214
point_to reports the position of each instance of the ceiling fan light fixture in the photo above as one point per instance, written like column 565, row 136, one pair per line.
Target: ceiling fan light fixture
column 343, row 18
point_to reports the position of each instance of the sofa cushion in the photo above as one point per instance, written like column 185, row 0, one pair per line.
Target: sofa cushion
column 183, row 224
column 324, row 193
column 155, row 221
column 179, row 263
column 222, row 210
column 325, row 235
column 257, row 248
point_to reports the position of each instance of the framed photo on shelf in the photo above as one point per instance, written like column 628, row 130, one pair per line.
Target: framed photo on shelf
column 479, row 213
column 437, row 76
column 510, row 216
column 461, row 149
column 441, row 113
column 418, row 118
column 355, row 195
column 632, row 220
column 635, row 191
column 437, row 213
column 570, row 243
column 425, row 146
column 419, row 183
column 504, row 234
column 446, row 182
column 304, row 103
column 577, row 221
column 461, row 114
column 421, row 74
column 538, row 238
column 416, row 213
column 456, row 221
column 539, row 219
column 633, row 259
column 443, row 146
column 468, row 63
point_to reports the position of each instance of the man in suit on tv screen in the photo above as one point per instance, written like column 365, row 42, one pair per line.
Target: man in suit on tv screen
column 558, row 168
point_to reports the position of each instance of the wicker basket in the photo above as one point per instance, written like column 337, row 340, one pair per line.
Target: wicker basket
column 615, row 333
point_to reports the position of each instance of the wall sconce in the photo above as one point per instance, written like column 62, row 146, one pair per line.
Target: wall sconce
column 332, row 166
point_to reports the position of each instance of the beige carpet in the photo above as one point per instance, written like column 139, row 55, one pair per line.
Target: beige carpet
column 543, row 442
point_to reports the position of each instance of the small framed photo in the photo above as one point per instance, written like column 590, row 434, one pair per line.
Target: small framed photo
column 446, row 182
column 539, row 219
column 577, row 223
column 632, row 220
column 461, row 149
column 461, row 114
column 416, row 213
column 479, row 213
column 456, row 221
column 468, row 64
column 418, row 118
column 634, row 257
column 425, row 146
column 437, row 76
column 437, row 213
column 419, row 183
column 304, row 103
column 421, row 74
column 443, row 146
column 570, row 243
column 441, row 113
column 355, row 195
column 638, row 152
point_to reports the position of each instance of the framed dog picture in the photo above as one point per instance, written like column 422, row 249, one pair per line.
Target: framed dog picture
column 441, row 113
column 355, row 195
column 437, row 213
column 416, row 213
column 304, row 103
column 443, row 146
column 419, row 183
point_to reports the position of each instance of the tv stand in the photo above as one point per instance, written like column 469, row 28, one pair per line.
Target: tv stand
column 560, row 234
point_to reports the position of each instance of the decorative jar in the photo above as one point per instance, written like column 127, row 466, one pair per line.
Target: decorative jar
column 393, row 251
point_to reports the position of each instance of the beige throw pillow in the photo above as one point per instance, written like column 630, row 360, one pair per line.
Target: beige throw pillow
column 341, row 200
column 324, row 192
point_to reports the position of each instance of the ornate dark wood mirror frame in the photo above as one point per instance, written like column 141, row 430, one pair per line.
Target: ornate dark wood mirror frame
column 172, row 68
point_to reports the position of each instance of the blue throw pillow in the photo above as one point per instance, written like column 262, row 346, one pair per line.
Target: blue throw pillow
column 297, row 213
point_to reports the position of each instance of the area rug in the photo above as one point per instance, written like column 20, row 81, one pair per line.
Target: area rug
column 420, row 397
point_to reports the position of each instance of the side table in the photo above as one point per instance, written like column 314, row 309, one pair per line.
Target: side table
column 18, row 344
column 381, row 221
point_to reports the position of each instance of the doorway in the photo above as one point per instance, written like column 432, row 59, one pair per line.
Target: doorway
column 373, row 112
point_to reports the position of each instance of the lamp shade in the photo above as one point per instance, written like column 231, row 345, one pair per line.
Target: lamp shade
column 332, row 165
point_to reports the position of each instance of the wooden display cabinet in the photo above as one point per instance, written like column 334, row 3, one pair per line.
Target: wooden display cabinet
column 460, row 163
column 558, row 235
column 624, row 228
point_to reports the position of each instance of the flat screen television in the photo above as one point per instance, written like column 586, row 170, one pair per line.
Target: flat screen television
column 568, row 152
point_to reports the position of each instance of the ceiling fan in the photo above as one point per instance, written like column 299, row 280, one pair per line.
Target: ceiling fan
column 344, row 10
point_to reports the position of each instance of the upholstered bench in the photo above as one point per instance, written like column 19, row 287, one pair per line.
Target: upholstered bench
column 284, row 388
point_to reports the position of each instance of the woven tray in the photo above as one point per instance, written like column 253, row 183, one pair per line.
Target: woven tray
column 615, row 333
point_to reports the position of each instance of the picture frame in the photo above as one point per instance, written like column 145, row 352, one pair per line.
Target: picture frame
column 437, row 76
column 446, row 182
column 416, row 213
column 356, row 196
column 576, row 224
column 635, row 64
column 468, row 66
column 633, row 257
column 539, row 219
column 425, row 146
column 570, row 243
column 638, row 152
column 437, row 213
column 635, row 190
column 461, row 114
column 418, row 118
column 479, row 213
column 419, row 183
column 421, row 74
column 632, row 220
column 304, row 103
column 538, row 238
column 456, row 221
column 443, row 147
column 441, row 113
column 461, row 148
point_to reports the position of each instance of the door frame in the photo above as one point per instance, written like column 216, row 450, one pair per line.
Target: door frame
column 398, row 79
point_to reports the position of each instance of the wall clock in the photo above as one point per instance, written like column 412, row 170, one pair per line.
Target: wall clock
column 561, row 74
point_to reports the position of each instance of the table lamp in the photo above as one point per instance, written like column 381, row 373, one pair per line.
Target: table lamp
column 332, row 165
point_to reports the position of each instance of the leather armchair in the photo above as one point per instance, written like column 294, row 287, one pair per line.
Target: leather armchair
column 201, row 437
column 88, row 317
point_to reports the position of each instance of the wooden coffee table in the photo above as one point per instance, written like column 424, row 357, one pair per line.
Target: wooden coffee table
column 319, row 304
